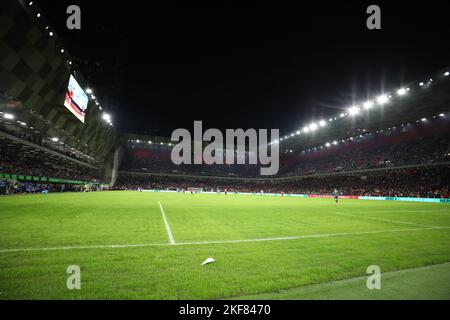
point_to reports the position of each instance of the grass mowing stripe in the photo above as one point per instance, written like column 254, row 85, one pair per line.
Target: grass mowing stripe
column 413, row 283
column 121, row 246
column 388, row 220
column 169, row 232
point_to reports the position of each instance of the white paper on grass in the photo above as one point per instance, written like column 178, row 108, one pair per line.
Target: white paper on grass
column 209, row 260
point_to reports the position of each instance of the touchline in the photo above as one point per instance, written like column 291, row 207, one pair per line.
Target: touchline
column 236, row 148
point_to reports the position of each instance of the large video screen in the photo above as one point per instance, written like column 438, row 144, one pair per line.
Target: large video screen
column 76, row 99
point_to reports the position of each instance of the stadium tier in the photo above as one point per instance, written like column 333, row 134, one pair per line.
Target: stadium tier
column 409, row 160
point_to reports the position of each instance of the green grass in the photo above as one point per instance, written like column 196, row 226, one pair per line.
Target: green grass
column 392, row 235
column 430, row 282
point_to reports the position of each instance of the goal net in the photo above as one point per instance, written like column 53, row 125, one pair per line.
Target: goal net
column 195, row 190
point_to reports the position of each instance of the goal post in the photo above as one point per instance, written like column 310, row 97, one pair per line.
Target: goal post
column 195, row 190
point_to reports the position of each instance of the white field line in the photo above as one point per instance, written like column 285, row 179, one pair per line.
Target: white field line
column 388, row 220
column 116, row 246
column 169, row 232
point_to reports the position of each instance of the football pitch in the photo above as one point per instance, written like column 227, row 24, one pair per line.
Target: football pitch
column 150, row 245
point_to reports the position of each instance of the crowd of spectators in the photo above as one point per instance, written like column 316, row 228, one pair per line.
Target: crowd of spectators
column 159, row 161
column 21, row 187
column 360, row 154
column 431, row 182
column 39, row 168
column 378, row 166
column 358, row 157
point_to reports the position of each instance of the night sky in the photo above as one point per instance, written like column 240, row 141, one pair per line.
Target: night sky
column 160, row 68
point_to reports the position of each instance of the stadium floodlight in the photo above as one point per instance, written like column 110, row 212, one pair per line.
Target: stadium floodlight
column 89, row 91
column 62, row 50
column 276, row 141
column 322, row 123
column 30, row 3
column 297, row 132
column 382, row 99
column 106, row 117
column 149, row 142
column 313, row 126
column 305, row 129
column 421, row 84
column 446, row 74
column 38, row 15
column 54, row 139
column 368, row 104
column 341, row 115
column 331, row 119
column 335, row 142
column 423, row 119
column 353, row 110
column 50, row 34
column 8, row 116
column 402, row 91
column 441, row 115
column 327, row 144
column 292, row 134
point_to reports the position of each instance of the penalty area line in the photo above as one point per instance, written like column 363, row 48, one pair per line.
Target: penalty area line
column 169, row 232
column 119, row 246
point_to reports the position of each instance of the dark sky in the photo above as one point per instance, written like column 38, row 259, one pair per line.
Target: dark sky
column 259, row 66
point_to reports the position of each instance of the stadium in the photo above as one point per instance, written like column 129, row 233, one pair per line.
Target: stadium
column 82, row 203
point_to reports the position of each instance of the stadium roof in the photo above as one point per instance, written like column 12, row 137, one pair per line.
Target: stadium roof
column 417, row 100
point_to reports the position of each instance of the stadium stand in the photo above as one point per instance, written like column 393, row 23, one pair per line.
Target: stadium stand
column 409, row 145
column 408, row 161
column 400, row 150
column 41, row 141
